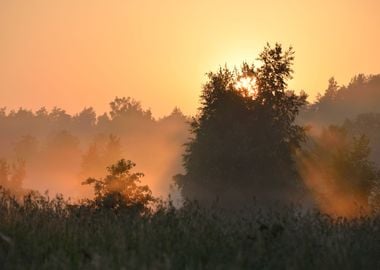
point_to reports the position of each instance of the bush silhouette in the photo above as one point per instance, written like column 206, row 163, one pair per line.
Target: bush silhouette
column 120, row 189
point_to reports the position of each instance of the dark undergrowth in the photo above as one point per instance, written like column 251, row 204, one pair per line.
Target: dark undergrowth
column 42, row 233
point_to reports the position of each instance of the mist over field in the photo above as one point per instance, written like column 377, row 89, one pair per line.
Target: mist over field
column 57, row 151
column 189, row 134
column 336, row 211
column 256, row 168
column 54, row 151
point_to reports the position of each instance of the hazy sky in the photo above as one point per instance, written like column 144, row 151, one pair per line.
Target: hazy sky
column 76, row 53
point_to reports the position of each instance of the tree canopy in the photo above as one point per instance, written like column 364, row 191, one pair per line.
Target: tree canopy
column 120, row 189
column 337, row 170
column 244, row 135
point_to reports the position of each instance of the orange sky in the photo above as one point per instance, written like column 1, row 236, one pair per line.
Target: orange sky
column 83, row 53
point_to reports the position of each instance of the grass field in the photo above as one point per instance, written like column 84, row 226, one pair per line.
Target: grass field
column 50, row 234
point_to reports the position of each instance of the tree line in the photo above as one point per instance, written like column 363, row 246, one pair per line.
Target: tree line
column 253, row 138
column 56, row 150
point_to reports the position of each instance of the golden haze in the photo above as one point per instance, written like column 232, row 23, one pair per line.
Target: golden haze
column 83, row 53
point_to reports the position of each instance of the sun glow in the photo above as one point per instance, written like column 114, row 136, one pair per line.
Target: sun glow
column 247, row 85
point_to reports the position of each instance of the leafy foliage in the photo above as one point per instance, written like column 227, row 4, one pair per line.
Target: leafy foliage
column 340, row 102
column 339, row 171
column 244, row 136
column 128, row 107
column 367, row 124
column 61, row 149
column 120, row 189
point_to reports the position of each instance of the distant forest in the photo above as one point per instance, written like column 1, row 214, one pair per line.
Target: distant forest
column 337, row 137
column 55, row 151
column 355, row 106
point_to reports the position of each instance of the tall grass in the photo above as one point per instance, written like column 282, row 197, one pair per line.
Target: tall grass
column 43, row 233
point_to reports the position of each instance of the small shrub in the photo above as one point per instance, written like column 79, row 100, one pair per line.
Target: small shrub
column 120, row 189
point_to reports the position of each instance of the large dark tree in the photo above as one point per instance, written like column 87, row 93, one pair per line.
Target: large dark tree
column 244, row 136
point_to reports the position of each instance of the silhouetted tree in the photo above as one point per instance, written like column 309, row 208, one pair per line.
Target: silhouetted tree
column 360, row 96
column 174, row 127
column 343, row 174
column 26, row 147
column 120, row 189
column 103, row 123
column 127, row 107
column 331, row 91
column 244, row 135
column 62, row 151
column 112, row 151
column 85, row 121
column 101, row 152
column 367, row 124
column 59, row 118
column 52, row 142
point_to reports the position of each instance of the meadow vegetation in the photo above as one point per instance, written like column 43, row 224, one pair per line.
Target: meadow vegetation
column 267, row 182
column 42, row 233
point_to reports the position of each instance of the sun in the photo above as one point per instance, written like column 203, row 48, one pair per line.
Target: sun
column 247, row 85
